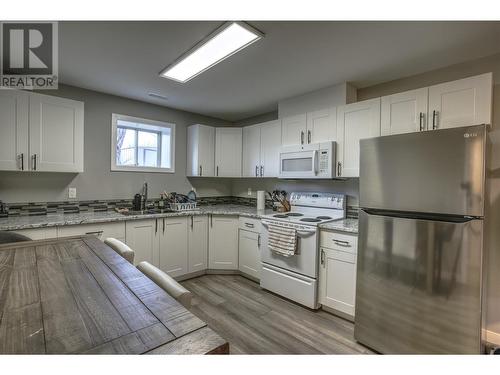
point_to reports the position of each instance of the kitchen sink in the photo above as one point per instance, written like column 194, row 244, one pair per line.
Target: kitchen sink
column 151, row 211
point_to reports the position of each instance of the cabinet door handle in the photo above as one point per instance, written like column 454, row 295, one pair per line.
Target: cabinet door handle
column 201, row 170
column 339, row 242
column 211, row 221
column 156, row 226
column 163, row 225
column 256, row 171
column 258, row 240
column 34, row 162
column 22, row 161
column 421, row 121
column 322, row 256
column 308, row 136
column 261, row 171
column 339, row 169
column 217, row 171
column 434, row 122
column 192, row 222
column 301, row 137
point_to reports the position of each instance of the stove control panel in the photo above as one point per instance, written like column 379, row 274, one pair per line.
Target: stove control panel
column 323, row 200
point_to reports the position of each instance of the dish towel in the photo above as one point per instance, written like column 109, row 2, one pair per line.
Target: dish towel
column 282, row 241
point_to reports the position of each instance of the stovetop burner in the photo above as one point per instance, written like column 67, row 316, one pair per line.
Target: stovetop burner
column 280, row 216
column 323, row 217
column 310, row 220
column 294, row 214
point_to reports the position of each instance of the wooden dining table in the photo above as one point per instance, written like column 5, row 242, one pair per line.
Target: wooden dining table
column 76, row 295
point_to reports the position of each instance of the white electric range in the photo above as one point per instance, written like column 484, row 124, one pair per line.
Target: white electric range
column 296, row 277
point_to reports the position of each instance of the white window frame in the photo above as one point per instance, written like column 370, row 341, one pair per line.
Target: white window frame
column 130, row 168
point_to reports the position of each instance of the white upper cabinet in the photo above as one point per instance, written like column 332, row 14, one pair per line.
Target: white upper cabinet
column 404, row 112
column 251, row 151
column 56, row 134
column 321, row 125
column 311, row 127
column 261, row 148
column 270, row 145
column 355, row 122
column 14, row 106
column 228, row 152
column 40, row 132
column 463, row 102
column 200, row 151
column 294, row 130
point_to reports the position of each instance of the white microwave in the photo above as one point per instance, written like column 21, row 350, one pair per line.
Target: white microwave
column 315, row 160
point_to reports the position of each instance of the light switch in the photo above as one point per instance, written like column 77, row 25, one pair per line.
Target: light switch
column 72, row 192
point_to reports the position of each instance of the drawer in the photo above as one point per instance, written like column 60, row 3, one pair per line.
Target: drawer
column 337, row 255
column 250, row 224
column 39, row 233
column 339, row 241
column 101, row 230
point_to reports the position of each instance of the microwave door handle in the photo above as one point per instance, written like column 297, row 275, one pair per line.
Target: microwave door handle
column 314, row 162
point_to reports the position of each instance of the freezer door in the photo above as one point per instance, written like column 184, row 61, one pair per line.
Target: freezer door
column 418, row 285
column 440, row 171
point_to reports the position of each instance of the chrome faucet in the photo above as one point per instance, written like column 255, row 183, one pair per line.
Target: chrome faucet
column 144, row 196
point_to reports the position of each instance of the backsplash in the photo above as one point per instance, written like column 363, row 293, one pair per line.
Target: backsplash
column 66, row 207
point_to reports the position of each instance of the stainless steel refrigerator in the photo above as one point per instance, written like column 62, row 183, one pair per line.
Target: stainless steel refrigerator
column 420, row 253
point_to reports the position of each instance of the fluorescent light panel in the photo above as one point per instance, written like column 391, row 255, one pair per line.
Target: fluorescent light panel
column 224, row 42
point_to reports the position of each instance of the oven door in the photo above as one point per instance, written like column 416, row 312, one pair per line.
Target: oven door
column 304, row 262
column 299, row 164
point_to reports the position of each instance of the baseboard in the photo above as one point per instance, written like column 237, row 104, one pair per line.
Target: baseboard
column 223, row 272
column 191, row 275
column 249, row 277
column 337, row 313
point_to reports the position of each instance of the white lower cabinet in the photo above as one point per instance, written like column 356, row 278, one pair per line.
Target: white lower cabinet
column 337, row 272
column 223, row 242
column 38, row 233
column 173, row 233
column 197, row 243
column 142, row 237
column 101, row 230
column 249, row 253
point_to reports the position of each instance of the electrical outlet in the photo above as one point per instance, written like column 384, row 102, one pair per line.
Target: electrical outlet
column 249, row 192
column 72, row 192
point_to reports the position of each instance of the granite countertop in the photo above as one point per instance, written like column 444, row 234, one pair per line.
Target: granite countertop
column 344, row 225
column 52, row 220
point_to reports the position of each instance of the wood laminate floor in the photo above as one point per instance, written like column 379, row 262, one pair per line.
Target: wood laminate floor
column 255, row 321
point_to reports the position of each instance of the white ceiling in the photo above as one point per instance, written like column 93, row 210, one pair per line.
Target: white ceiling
column 124, row 58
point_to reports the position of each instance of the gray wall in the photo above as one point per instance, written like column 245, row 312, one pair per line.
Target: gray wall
column 98, row 182
column 349, row 187
column 492, row 241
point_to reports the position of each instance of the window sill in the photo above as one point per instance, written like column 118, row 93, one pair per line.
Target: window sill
column 142, row 169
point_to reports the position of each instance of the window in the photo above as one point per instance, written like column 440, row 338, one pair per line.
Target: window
column 142, row 145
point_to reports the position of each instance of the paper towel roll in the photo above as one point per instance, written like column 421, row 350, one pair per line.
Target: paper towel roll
column 261, row 199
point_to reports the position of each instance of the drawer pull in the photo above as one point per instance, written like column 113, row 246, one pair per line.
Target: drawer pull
column 249, row 225
column 96, row 233
column 339, row 242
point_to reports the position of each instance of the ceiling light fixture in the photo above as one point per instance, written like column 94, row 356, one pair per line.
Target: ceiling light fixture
column 228, row 39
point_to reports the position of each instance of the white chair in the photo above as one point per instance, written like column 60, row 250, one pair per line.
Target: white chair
column 121, row 249
column 167, row 283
